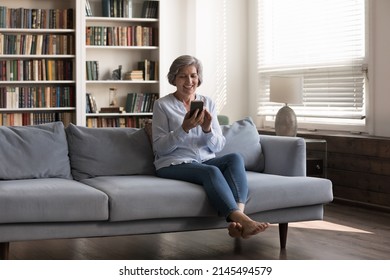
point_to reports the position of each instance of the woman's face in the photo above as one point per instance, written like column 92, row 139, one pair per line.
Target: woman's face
column 187, row 81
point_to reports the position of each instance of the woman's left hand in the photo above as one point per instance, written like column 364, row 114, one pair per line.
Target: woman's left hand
column 206, row 124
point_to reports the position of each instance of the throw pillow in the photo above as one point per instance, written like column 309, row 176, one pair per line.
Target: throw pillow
column 38, row 151
column 109, row 152
column 242, row 137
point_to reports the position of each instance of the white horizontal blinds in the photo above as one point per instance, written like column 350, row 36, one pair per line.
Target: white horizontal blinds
column 321, row 40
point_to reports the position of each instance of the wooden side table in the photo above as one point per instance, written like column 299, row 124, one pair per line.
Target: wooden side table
column 316, row 157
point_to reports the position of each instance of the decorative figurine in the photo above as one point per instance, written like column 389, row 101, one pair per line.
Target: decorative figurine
column 117, row 73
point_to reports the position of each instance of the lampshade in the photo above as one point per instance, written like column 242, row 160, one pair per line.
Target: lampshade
column 286, row 90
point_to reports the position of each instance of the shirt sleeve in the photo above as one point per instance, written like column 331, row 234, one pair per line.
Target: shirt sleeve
column 215, row 139
column 165, row 141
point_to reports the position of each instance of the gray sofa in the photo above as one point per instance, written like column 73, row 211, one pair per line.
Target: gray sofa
column 83, row 182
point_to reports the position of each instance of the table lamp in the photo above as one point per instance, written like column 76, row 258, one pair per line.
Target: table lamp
column 287, row 90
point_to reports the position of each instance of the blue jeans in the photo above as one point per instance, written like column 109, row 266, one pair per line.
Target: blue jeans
column 223, row 179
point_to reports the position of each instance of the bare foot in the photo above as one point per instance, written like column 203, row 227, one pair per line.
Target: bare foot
column 250, row 228
column 245, row 225
column 235, row 229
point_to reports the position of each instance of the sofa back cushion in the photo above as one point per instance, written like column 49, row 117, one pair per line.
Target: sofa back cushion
column 30, row 152
column 109, row 152
column 242, row 137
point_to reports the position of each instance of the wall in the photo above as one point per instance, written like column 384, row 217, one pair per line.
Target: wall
column 380, row 45
column 173, row 37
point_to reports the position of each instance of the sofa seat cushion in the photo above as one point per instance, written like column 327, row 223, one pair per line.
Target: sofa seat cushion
column 269, row 192
column 50, row 200
column 149, row 197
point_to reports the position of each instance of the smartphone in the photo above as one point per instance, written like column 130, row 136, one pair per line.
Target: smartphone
column 196, row 104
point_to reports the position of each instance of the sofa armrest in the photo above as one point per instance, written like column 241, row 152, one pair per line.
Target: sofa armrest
column 284, row 155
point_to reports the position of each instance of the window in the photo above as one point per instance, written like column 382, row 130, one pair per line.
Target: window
column 324, row 41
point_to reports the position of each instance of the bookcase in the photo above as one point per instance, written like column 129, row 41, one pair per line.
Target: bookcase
column 120, row 62
column 60, row 60
column 38, row 43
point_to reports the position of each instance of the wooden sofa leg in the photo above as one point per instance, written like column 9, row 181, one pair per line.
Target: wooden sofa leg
column 283, row 235
column 4, row 250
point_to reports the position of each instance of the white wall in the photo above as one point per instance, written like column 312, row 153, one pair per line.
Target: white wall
column 173, row 37
column 380, row 68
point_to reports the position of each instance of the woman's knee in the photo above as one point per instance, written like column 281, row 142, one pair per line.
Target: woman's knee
column 235, row 158
column 212, row 171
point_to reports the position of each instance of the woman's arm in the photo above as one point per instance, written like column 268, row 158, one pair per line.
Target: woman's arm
column 164, row 140
column 215, row 139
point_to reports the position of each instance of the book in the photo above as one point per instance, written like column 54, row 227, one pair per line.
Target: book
column 117, row 8
column 92, row 70
column 111, row 110
column 150, row 9
column 106, row 8
column 88, row 10
column 140, row 102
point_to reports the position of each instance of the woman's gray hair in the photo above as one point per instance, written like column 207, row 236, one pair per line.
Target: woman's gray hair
column 183, row 61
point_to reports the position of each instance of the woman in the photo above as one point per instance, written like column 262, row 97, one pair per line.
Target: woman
column 185, row 145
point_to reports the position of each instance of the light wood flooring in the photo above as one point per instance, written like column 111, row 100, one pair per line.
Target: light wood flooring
column 347, row 232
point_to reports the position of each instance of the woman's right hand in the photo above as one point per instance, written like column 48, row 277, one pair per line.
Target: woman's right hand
column 190, row 122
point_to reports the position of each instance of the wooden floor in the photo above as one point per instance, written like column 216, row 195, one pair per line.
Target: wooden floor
column 346, row 233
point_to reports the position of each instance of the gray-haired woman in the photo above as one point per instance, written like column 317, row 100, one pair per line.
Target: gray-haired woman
column 185, row 145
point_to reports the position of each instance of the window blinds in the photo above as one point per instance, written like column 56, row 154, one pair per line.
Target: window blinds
column 321, row 40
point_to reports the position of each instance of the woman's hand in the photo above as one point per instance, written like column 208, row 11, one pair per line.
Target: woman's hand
column 198, row 118
column 206, row 124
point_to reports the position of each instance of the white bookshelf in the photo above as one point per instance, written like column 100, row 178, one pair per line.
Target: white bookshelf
column 109, row 57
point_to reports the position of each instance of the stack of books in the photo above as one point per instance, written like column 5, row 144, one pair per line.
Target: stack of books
column 136, row 75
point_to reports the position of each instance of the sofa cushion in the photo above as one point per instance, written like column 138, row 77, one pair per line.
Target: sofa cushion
column 39, row 151
column 108, row 151
column 52, row 200
column 150, row 197
column 270, row 192
column 242, row 137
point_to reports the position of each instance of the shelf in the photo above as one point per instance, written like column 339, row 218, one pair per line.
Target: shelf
column 117, row 19
column 35, row 56
column 15, row 110
column 62, row 82
column 40, row 31
column 97, row 115
column 121, row 82
column 108, row 48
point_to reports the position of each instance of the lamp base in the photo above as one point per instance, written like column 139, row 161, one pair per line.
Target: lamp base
column 286, row 122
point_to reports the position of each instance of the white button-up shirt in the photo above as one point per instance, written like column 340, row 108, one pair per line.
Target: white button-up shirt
column 172, row 145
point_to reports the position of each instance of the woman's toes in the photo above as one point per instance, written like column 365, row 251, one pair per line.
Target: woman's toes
column 235, row 229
